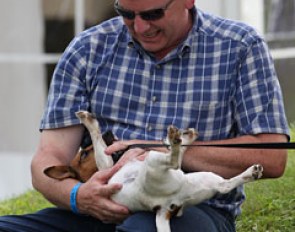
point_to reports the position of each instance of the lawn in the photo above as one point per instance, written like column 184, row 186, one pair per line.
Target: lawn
column 270, row 205
column 28, row 202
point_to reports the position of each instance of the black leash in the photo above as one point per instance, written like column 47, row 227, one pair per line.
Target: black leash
column 109, row 138
column 290, row 145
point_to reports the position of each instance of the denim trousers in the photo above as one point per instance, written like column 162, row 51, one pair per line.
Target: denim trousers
column 201, row 218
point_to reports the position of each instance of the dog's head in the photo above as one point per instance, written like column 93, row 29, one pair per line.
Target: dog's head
column 83, row 166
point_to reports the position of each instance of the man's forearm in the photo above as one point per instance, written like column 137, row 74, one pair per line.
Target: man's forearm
column 56, row 191
column 228, row 162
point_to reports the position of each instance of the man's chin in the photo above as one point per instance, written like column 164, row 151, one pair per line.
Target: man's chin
column 151, row 47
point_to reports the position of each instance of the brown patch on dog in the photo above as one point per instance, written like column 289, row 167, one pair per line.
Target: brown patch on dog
column 156, row 208
column 82, row 167
column 61, row 172
column 174, row 209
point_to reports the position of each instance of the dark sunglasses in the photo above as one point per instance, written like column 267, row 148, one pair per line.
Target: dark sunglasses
column 148, row 15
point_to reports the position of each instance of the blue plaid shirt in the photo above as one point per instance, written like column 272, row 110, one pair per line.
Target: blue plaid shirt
column 219, row 80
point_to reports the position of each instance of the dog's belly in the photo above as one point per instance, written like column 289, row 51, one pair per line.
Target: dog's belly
column 130, row 194
column 140, row 194
column 128, row 173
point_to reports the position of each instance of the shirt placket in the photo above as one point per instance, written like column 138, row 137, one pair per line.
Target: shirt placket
column 152, row 101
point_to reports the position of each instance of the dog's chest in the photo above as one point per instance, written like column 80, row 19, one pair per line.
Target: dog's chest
column 145, row 188
column 128, row 173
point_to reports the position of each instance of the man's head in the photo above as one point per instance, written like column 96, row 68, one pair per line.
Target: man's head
column 158, row 25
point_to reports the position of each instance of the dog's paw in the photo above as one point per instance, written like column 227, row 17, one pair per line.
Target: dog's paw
column 188, row 136
column 257, row 171
column 174, row 135
column 253, row 173
column 84, row 115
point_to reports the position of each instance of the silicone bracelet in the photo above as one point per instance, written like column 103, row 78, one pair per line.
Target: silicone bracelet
column 73, row 198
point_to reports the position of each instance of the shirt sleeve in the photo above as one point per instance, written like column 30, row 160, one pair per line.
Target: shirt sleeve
column 258, row 97
column 68, row 92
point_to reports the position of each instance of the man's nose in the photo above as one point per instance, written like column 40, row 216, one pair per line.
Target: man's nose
column 140, row 25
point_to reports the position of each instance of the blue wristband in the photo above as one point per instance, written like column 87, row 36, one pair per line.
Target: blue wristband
column 73, row 198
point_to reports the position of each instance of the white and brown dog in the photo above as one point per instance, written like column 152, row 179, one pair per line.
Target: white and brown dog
column 157, row 183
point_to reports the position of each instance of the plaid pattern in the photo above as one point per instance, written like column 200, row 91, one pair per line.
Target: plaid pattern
column 220, row 80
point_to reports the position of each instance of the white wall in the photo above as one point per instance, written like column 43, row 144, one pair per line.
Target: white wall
column 22, row 92
column 249, row 11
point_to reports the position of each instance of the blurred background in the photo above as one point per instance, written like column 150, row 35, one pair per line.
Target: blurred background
column 34, row 33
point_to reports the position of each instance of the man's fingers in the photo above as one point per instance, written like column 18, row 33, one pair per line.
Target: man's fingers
column 107, row 210
column 142, row 157
column 103, row 176
column 131, row 154
column 110, row 210
column 116, row 146
column 113, row 213
column 108, row 190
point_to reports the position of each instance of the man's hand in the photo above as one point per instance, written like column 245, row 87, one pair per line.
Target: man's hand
column 135, row 153
column 93, row 198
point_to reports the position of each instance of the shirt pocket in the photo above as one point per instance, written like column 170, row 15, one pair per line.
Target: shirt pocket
column 209, row 118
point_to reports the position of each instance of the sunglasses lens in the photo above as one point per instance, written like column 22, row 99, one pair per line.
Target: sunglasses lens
column 125, row 13
column 149, row 15
column 152, row 14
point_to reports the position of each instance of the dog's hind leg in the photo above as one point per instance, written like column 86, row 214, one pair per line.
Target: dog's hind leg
column 163, row 221
column 251, row 174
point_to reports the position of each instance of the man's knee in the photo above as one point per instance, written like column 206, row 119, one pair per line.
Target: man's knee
column 202, row 218
column 140, row 221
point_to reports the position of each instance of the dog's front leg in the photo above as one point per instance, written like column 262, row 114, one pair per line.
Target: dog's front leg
column 103, row 161
column 176, row 138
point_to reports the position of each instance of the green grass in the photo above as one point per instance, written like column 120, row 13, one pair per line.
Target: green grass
column 29, row 202
column 270, row 204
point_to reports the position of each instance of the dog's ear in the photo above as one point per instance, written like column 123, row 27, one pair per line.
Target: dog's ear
column 61, row 172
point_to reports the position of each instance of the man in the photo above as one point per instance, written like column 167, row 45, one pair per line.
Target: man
column 162, row 62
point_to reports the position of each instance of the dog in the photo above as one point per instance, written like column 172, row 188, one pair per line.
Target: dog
column 157, row 183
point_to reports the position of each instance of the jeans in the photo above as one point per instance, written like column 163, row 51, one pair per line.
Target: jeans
column 201, row 218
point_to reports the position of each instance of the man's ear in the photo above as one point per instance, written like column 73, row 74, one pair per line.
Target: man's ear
column 61, row 172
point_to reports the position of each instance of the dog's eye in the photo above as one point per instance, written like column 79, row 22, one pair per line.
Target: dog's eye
column 83, row 155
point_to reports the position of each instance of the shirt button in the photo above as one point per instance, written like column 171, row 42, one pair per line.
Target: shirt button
column 158, row 66
column 154, row 98
column 150, row 128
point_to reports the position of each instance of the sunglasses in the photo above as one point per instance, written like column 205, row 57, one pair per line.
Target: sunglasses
column 149, row 15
